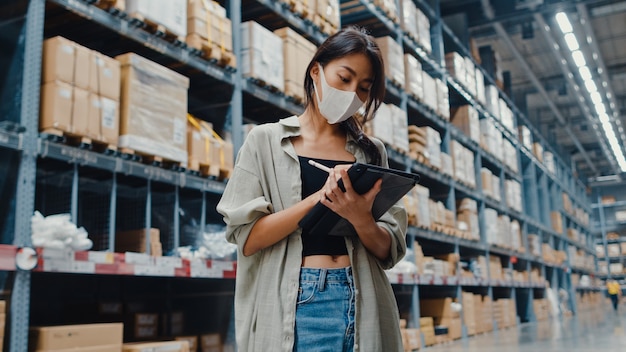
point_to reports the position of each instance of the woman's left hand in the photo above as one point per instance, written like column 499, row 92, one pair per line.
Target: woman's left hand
column 350, row 205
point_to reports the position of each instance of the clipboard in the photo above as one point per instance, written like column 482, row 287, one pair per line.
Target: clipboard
column 322, row 221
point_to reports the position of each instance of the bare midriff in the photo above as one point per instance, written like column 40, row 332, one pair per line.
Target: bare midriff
column 326, row 261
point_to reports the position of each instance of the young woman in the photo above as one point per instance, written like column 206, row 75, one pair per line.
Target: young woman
column 299, row 291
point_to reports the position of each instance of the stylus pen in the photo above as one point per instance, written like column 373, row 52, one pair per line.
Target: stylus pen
column 320, row 166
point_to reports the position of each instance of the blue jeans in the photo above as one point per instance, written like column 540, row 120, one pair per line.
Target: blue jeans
column 325, row 311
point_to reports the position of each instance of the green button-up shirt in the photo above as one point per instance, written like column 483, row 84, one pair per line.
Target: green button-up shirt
column 266, row 179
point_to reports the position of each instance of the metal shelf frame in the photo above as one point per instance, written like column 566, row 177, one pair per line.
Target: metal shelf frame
column 32, row 148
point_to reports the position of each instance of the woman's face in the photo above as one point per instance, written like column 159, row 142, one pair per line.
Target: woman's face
column 351, row 73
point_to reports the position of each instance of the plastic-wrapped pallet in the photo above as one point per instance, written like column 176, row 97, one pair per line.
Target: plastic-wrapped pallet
column 329, row 11
column 495, row 186
column 548, row 161
column 262, row 55
column 470, row 78
column 423, row 210
column 470, row 170
column 446, row 164
column 430, row 91
column 154, row 109
column 443, row 99
column 491, row 225
column 525, row 136
column 382, row 124
column 393, row 56
column 506, row 115
column 409, row 18
column 172, row 14
column 455, row 64
column 400, row 129
column 423, row 31
column 491, row 99
column 414, row 82
column 297, row 51
column 434, row 146
column 480, row 86
column 458, row 161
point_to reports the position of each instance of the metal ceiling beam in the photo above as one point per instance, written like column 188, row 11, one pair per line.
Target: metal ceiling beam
column 504, row 36
column 546, row 31
column 592, row 41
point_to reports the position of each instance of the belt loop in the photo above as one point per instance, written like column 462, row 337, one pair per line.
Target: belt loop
column 322, row 279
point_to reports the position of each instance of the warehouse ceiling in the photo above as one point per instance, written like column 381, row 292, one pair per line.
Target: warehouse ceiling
column 541, row 76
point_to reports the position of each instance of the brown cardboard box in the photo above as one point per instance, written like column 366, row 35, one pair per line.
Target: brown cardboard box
column 109, row 121
column 56, row 106
column 211, row 340
column 81, row 67
column 104, row 76
column 454, row 327
column 297, row 52
column 59, row 59
column 153, row 117
column 466, row 119
column 162, row 346
column 438, row 308
column 75, row 336
column 80, row 112
column 135, row 240
column 191, row 340
column 557, row 221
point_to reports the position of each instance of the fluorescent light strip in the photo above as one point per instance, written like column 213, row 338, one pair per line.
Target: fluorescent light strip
column 563, row 21
column 579, row 58
column 570, row 40
column 592, row 89
column 585, row 73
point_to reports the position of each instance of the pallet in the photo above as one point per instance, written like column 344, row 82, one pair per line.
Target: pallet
column 210, row 51
column 262, row 83
column 77, row 140
column 324, row 26
column 155, row 28
column 203, row 169
column 112, row 6
column 151, row 159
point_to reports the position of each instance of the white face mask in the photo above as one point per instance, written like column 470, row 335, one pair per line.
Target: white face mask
column 337, row 105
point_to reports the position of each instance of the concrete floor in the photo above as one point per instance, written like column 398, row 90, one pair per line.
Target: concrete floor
column 599, row 330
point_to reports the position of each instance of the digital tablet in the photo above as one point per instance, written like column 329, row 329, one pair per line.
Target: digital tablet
column 322, row 221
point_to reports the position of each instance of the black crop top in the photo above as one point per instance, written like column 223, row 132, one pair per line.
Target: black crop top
column 312, row 180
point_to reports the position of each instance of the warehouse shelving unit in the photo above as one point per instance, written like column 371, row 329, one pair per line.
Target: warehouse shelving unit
column 610, row 233
column 106, row 192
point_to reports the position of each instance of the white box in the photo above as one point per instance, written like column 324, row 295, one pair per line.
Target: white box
column 413, row 71
column 430, row 91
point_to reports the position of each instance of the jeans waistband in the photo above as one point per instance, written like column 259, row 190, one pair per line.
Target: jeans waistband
column 336, row 275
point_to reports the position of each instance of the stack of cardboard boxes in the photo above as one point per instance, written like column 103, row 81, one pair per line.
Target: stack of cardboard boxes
column 427, row 327
column 207, row 152
column 465, row 117
column 262, row 55
column 390, row 125
column 393, row 58
column 89, row 337
column 80, row 93
column 297, row 52
column 411, row 337
column 425, row 144
column 444, row 314
column 467, row 217
column 210, row 31
column 463, row 163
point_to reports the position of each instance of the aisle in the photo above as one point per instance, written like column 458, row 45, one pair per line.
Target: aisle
column 599, row 330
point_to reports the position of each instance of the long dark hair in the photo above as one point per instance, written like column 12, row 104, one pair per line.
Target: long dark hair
column 348, row 41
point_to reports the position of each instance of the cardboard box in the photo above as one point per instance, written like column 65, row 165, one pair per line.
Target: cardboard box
column 135, row 240
column 297, row 53
column 104, row 76
column 82, row 67
column 56, row 106
column 102, row 348
column 413, row 73
column 211, row 340
column 262, row 55
column 153, row 117
column 466, row 119
column 75, row 336
column 454, row 325
column 163, row 346
column 80, row 113
column 59, row 60
column 191, row 340
column 438, row 308
column 208, row 27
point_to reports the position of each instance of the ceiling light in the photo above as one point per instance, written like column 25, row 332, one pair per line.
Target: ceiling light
column 585, row 73
column 596, row 98
column 579, row 58
column 600, row 109
column 603, row 118
column 563, row 21
column 571, row 41
column 591, row 86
